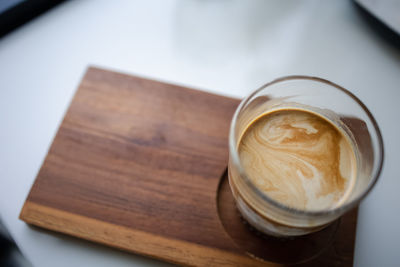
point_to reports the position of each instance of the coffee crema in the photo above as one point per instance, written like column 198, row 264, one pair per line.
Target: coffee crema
column 299, row 159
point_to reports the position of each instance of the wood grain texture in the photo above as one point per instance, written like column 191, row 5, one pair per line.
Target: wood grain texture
column 136, row 165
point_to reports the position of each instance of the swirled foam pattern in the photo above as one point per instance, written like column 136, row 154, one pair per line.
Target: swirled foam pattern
column 299, row 158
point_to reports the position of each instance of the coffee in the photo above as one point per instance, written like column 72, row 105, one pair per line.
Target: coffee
column 299, row 158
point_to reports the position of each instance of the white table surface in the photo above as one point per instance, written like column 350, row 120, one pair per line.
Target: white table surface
column 223, row 46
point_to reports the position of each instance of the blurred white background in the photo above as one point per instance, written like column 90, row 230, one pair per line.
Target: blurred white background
column 228, row 47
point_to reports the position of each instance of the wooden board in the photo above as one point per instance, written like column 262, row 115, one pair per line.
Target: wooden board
column 136, row 164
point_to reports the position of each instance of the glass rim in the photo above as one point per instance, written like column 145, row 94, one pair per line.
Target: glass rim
column 233, row 152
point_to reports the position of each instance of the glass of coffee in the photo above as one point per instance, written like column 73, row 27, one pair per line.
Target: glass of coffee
column 302, row 151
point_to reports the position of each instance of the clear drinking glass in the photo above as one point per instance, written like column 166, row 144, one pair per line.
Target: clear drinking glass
column 329, row 100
